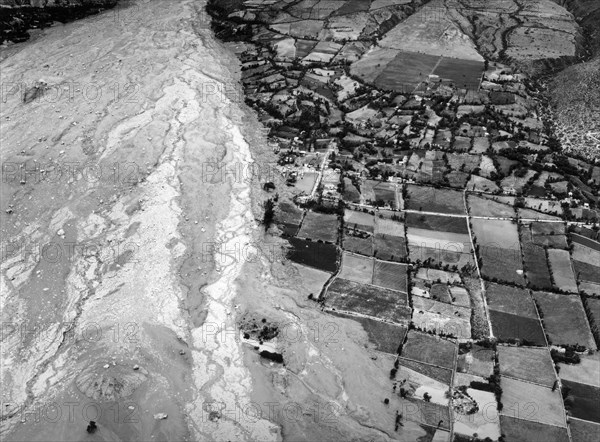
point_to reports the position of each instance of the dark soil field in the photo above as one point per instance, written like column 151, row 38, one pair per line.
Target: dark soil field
column 385, row 337
column 313, row 254
column 564, row 319
column 582, row 401
column 519, row 430
column 391, row 276
column 389, row 248
column 406, row 71
column 585, row 241
column 435, row 222
column 463, row 73
column 368, row 300
column 501, row 264
column 439, row 374
column 431, row 199
column 319, row 226
column 536, row 265
column 363, row 246
column 507, row 327
column 423, row 347
column 586, row 272
column 582, row 431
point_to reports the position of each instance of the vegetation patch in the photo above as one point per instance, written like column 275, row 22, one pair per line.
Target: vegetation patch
column 581, row 400
column 429, row 349
column 313, row 254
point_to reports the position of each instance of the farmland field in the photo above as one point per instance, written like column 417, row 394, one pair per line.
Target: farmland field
column 435, row 222
column 388, row 227
column 512, row 300
column 496, row 233
column 319, row 226
column 478, row 361
column 586, row 272
column 390, row 275
column 535, row 264
column 365, row 299
column 507, row 327
column 582, row 401
column 585, row 254
column 564, row 319
column 440, row 374
column 416, row 384
column 405, row 71
column 527, row 401
column 318, row 255
column 384, row 336
column 519, row 430
column 528, row 364
column 585, row 241
column 562, row 272
column 427, row 413
column 430, row 349
column 360, row 220
column 590, row 288
column 446, row 241
column 485, row 422
column 586, row 372
column 440, row 317
column 389, row 248
column 463, row 73
column 583, row 431
column 431, row 199
column 364, row 246
column 356, row 268
column 502, row 263
column 443, row 257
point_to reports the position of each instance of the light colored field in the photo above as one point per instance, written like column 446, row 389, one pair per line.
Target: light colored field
column 543, row 205
column 352, row 217
column 480, row 145
column 419, row 384
column 485, row 422
column 429, row 321
column 389, row 227
column 586, row 372
column 346, row 27
column 533, row 214
column 324, row 51
column 531, row 402
column 319, row 226
column 487, row 166
column 536, row 43
column 446, row 241
column 480, row 184
column 372, row 63
column 377, row 4
column 434, row 275
column 431, row 31
column 485, row 207
column 361, row 114
column 496, row 233
column 589, row 287
column 460, row 296
column 286, row 48
column 586, row 254
column 348, row 87
column 357, row 268
column 306, row 183
column 300, row 29
column 561, row 270
column 527, row 363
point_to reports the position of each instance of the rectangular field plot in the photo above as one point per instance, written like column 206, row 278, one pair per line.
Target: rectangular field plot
column 453, row 259
column 531, row 402
column 440, row 374
column 527, row 364
column 429, row 349
column 463, row 73
column 584, row 241
column 390, row 275
column 357, row 268
column 347, row 296
column 485, row 422
column 319, row 226
column 512, row 300
column 520, row 430
column 562, row 272
column 441, row 318
column 437, row 223
column 586, row 272
column 383, row 336
column 430, row 199
column 582, row 401
column 589, row 288
column 536, row 265
column 507, row 327
column 354, row 219
column 389, row 248
column 447, row 241
column 477, row 361
column 586, row 372
column 428, row 413
column 388, row 227
column 496, row 233
column 362, row 246
column 313, row 254
column 406, row 71
column 564, row 319
column 583, row 431
column 416, row 384
column 586, row 254
column 502, row 263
